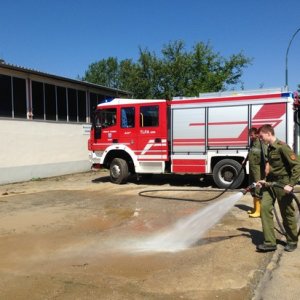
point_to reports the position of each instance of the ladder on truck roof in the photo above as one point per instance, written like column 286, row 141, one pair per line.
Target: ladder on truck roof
column 235, row 93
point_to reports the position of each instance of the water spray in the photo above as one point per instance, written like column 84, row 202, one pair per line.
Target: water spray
column 187, row 231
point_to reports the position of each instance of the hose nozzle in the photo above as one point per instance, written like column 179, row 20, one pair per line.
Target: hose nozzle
column 244, row 191
column 249, row 188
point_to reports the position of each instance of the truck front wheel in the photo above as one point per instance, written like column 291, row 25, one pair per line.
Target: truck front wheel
column 118, row 171
column 226, row 171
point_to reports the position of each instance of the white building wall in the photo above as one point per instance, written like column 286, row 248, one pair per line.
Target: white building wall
column 32, row 149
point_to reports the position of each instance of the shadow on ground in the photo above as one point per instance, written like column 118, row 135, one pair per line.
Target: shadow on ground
column 170, row 179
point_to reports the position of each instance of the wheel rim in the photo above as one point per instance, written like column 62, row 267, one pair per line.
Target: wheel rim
column 115, row 171
column 227, row 174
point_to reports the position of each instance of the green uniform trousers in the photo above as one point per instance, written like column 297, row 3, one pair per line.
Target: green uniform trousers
column 287, row 209
column 255, row 174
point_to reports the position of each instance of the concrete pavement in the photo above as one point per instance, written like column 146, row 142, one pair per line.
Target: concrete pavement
column 282, row 277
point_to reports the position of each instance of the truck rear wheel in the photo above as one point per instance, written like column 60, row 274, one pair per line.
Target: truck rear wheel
column 118, row 171
column 226, row 171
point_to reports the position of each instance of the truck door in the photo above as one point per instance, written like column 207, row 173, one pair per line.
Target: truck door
column 127, row 131
column 153, row 132
column 106, row 126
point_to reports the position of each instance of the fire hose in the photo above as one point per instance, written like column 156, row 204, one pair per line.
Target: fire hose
column 145, row 192
column 278, row 185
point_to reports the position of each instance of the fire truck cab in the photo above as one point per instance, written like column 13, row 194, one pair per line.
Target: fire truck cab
column 202, row 135
column 130, row 136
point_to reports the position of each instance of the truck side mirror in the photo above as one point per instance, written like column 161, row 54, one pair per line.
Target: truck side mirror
column 97, row 128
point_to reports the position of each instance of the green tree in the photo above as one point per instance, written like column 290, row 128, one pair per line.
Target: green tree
column 104, row 72
column 176, row 72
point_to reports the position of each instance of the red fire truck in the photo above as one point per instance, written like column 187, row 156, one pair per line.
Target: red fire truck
column 203, row 135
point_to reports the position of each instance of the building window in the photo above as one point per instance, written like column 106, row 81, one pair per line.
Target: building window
column 61, row 103
column 95, row 99
column 72, row 105
column 81, row 106
column 5, row 96
column 93, row 102
column 50, row 102
column 38, row 100
column 19, row 97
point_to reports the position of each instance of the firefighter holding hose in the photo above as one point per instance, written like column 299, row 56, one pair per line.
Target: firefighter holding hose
column 256, row 157
column 284, row 170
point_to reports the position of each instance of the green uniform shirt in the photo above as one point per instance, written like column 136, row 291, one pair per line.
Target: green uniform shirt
column 284, row 164
column 256, row 153
column 256, row 159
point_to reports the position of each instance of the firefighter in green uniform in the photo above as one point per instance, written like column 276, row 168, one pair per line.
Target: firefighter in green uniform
column 256, row 169
column 284, row 169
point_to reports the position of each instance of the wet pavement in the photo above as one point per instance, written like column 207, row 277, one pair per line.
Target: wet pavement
column 74, row 237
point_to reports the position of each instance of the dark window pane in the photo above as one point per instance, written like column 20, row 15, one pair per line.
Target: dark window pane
column 107, row 117
column 61, row 103
column 127, row 117
column 149, row 116
column 93, row 103
column 37, row 100
column 72, row 105
column 19, row 88
column 50, row 102
column 100, row 98
column 81, row 106
column 94, row 100
column 5, row 96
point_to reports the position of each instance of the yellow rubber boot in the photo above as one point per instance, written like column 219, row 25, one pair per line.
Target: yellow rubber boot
column 256, row 214
column 252, row 211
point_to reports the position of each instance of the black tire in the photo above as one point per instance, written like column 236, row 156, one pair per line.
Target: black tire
column 118, row 171
column 226, row 171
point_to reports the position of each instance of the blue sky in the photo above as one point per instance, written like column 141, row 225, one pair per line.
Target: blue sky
column 64, row 37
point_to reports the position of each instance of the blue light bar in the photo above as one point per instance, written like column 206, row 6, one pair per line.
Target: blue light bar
column 106, row 100
column 287, row 94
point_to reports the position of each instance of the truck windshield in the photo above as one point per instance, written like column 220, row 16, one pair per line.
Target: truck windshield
column 106, row 117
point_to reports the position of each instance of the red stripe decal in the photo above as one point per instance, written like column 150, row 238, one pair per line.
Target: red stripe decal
column 189, row 162
column 189, row 169
column 270, row 111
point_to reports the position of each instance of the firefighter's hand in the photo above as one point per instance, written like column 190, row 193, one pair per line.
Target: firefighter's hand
column 288, row 189
column 261, row 183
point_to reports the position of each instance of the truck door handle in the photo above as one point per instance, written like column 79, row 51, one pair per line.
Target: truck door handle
column 157, row 140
